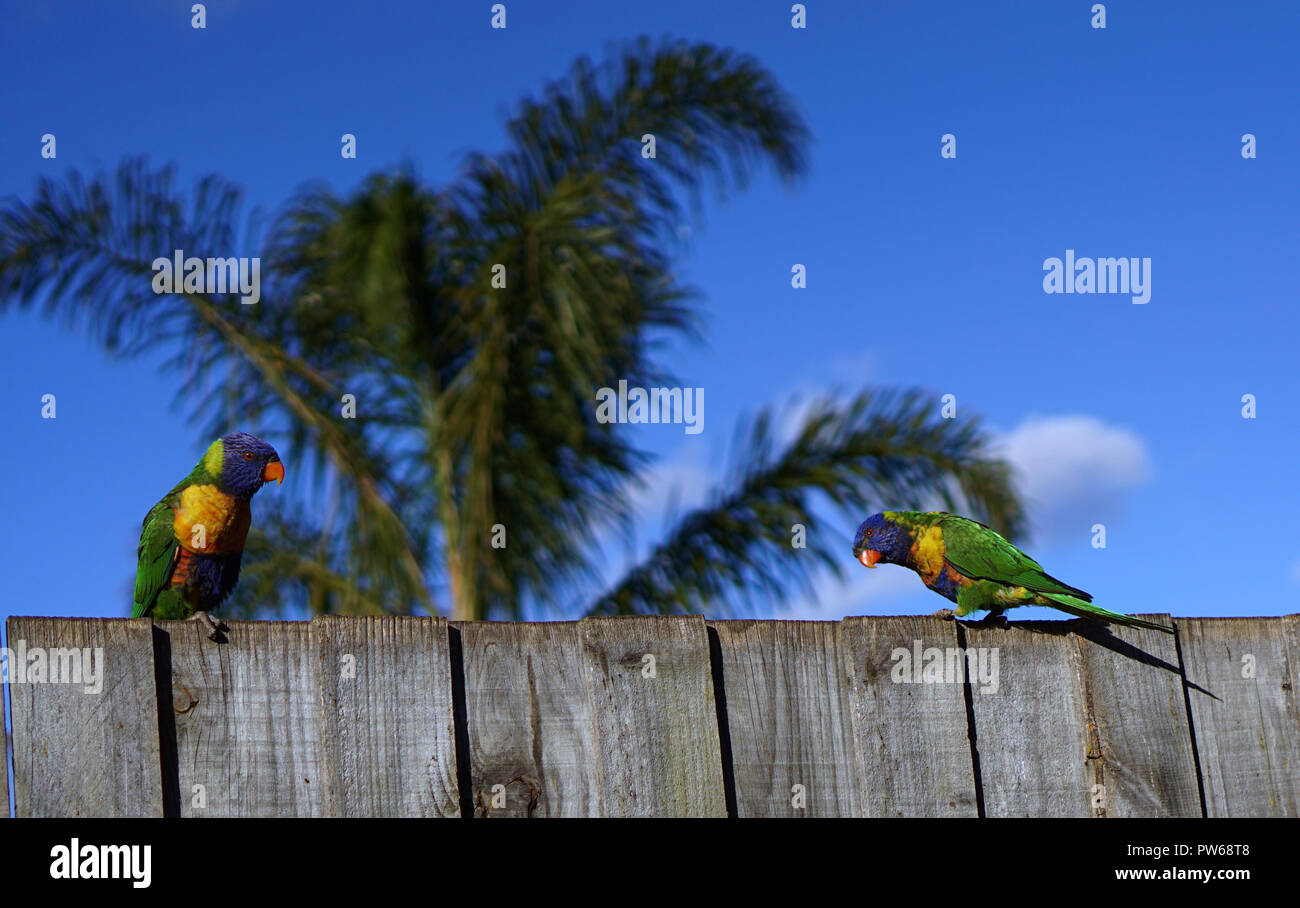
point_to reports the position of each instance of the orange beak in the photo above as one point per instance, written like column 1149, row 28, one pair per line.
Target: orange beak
column 869, row 557
column 273, row 470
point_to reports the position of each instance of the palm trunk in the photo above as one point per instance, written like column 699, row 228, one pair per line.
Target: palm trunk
column 459, row 568
column 462, row 604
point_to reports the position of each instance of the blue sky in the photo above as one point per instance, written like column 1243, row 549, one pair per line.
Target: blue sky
column 921, row 271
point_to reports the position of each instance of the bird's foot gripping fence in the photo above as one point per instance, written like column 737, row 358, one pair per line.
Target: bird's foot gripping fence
column 652, row 716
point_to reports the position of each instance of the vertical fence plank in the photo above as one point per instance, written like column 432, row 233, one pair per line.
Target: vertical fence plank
column 80, row 753
column 387, row 735
column 651, row 685
column 4, row 763
column 247, row 718
column 1247, row 714
column 1135, row 703
column 789, row 720
column 1031, row 729
column 910, row 736
column 532, row 737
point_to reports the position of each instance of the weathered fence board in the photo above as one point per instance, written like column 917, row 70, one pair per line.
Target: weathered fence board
column 80, row 753
column 247, row 718
column 651, row 686
column 387, row 739
column 910, row 737
column 4, row 752
column 1247, row 718
column 1134, row 685
column 572, row 720
column 531, row 728
column 789, row 718
column 879, row 716
column 4, row 764
column 1031, row 731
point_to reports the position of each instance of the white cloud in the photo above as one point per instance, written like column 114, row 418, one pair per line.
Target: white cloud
column 682, row 480
column 847, row 372
column 792, row 413
column 857, row 369
column 1074, row 471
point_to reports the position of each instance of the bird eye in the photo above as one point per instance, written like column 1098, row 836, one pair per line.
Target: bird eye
column 869, row 532
column 248, row 455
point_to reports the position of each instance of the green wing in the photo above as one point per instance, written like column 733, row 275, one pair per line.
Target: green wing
column 978, row 552
column 156, row 556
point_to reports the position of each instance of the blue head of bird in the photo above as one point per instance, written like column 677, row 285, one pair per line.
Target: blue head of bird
column 246, row 463
column 880, row 539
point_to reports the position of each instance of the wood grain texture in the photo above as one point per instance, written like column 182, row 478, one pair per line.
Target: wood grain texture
column 659, row 752
column 1247, row 718
column 247, row 719
column 563, row 719
column 80, row 753
column 911, row 739
column 387, row 733
column 1031, row 729
column 532, row 736
column 1137, row 722
column 568, row 720
column 789, row 718
column 4, row 764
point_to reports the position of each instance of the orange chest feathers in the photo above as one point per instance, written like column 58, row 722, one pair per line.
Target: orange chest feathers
column 209, row 522
column 928, row 553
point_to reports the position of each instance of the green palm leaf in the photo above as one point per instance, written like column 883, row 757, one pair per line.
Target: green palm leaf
column 474, row 396
column 878, row 450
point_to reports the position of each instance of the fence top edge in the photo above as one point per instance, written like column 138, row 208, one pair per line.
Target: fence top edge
column 1035, row 622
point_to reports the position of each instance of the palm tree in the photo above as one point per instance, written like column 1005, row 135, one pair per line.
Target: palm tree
column 471, row 326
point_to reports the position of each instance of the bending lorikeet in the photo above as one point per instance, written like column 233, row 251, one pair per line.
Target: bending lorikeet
column 192, row 541
column 971, row 565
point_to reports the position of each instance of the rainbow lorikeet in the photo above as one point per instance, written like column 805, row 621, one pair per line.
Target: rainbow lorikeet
column 192, row 541
column 971, row 565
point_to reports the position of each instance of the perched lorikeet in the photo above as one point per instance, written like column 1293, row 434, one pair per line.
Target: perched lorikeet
column 192, row 540
column 971, row 565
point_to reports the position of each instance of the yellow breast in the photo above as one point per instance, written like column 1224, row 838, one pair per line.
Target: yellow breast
column 210, row 522
column 928, row 553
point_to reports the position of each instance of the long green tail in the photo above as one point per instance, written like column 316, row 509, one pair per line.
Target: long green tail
column 1088, row 610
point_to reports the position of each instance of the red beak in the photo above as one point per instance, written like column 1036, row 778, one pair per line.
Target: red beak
column 273, row 470
column 869, row 557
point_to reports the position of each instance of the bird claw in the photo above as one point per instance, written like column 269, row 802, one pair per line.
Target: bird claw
column 215, row 625
column 993, row 619
column 946, row 614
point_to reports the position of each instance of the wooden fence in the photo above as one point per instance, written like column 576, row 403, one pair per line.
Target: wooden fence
column 881, row 716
